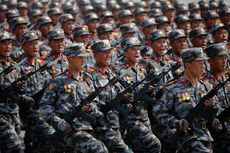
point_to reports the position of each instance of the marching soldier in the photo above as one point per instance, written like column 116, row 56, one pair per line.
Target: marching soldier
column 198, row 37
column 219, row 33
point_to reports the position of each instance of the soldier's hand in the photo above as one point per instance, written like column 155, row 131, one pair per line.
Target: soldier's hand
column 28, row 100
column 185, row 126
column 209, row 102
column 67, row 128
column 126, row 96
column 86, row 107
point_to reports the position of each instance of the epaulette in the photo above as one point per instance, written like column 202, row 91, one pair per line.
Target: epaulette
column 117, row 65
column 44, row 57
column 91, row 70
column 170, row 83
column 147, row 57
column 40, row 60
column 227, row 71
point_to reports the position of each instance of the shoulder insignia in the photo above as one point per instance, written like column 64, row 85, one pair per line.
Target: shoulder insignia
column 147, row 57
column 227, row 71
column 91, row 70
column 41, row 61
column 170, row 83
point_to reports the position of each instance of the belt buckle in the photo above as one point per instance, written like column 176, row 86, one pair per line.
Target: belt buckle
column 203, row 125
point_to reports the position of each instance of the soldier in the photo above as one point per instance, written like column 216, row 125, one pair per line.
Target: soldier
column 211, row 18
column 140, row 15
column 107, row 17
column 219, row 33
column 148, row 26
column 182, row 22
column 3, row 22
column 67, row 24
column 54, row 14
column 218, row 56
column 23, row 9
column 44, row 25
column 163, row 23
column 196, row 21
column 109, row 130
column 225, row 16
column 125, row 16
column 34, row 15
column 134, row 115
column 62, row 96
column 169, row 12
column 92, row 21
column 198, row 37
column 181, row 96
column 57, row 44
column 194, row 8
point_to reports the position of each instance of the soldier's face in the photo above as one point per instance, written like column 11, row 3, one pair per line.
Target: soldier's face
column 57, row 46
column 82, row 39
column 159, row 46
column 141, row 17
column 92, row 25
column 5, row 48
column 109, row 20
column 185, row 26
column 55, row 18
column 31, row 49
column 128, row 19
column 218, row 63
column 76, row 62
column 179, row 44
column 19, row 30
column 106, row 35
column 129, row 35
column 149, row 29
column 195, row 68
column 68, row 27
column 44, row 29
column 166, row 27
column 103, row 58
column 197, row 23
column 23, row 11
column 132, row 54
column 170, row 14
column 221, row 36
column 200, row 41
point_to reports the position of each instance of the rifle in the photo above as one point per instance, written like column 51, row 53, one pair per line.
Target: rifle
column 12, row 67
column 91, row 97
column 223, row 115
column 193, row 112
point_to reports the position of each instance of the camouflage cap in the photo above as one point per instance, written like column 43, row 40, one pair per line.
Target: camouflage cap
column 12, row 14
column 101, row 46
column 176, row 34
column 130, row 42
column 66, row 17
column 90, row 17
column 162, row 19
column 181, row 19
column 101, row 7
column 17, row 21
column 37, row 5
column 197, row 32
column 195, row 17
column 191, row 54
column 181, row 8
column 155, row 4
column 5, row 36
column 80, row 31
column 213, row 5
column 225, row 11
column 56, row 34
column 155, row 13
column 29, row 36
column 140, row 10
column 54, row 11
column 76, row 49
column 3, row 8
column 193, row 6
column 106, row 14
column 148, row 22
column 217, row 27
column 35, row 12
column 104, row 28
column 203, row 5
column 43, row 20
column 211, row 15
column 216, row 50
column 22, row 4
column 125, row 13
column 88, row 8
column 128, row 28
column 168, row 7
column 72, row 10
column 154, row 35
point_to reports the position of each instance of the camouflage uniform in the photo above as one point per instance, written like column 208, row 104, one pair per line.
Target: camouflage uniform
column 108, row 128
column 179, row 97
column 134, row 114
column 63, row 94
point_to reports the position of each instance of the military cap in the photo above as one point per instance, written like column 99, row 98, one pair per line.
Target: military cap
column 130, row 42
column 210, row 15
column 101, row 46
column 12, row 14
column 195, row 17
column 128, row 5
column 225, row 11
column 213, row 5
column 148, row 22
column 54, row 11
column 66, row 17
column 155, row 13
column 101, row 7
column 83, row 2
column 106, row 14
column 204, row 5
column 43, row 20
column 17, row 21
column 140, row 10
column 88, row 8
column 141, row 4
column 181, row 19
column 197, row 32
column 37, row 5
column 76, row 49
column 168, row 7
column 217, row 27
column 162, row 19
column 29, row 36
column 176, row 34
column 5, row 36
column 56, row 34
column 216, row 50
column 104, row 28
column 193, row 6
column 195, row 53
column 72, row 10
column 155, row 4
column 12, row 3
column 154, row 35
column 128, row 28
column 181, row 8
column 125, row 13
column 45, row 1
column 90, row 17
column 115, row 7
column 22, row 4
column 80, row 31
column 35, row 12
column 3, row 8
